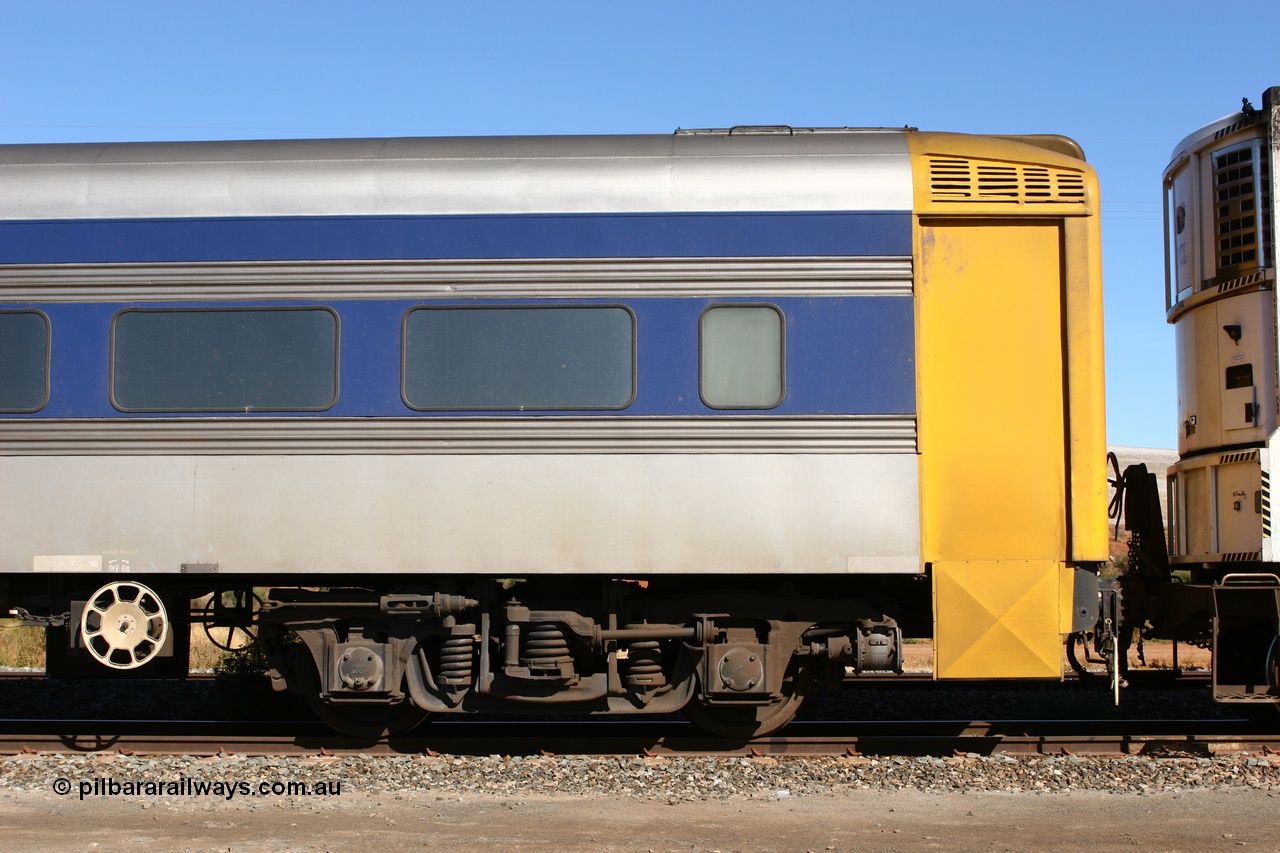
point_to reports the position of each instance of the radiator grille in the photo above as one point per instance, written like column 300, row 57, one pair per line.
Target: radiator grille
column 960, row 179
column 1241, row 203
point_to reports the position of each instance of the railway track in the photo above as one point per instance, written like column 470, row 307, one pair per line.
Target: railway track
column 655, row 736
column 1137, row 680
column 663, row 738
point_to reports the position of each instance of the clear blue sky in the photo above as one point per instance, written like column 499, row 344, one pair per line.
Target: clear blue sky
column 1126, row 79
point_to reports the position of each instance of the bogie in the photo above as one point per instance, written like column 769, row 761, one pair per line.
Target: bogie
column 626, row 652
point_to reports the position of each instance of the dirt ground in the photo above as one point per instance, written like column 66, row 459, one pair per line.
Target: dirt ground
column 1156, row 654
column 1190, row 822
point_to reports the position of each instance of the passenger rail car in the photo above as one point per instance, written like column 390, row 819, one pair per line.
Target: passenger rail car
column 556, row 424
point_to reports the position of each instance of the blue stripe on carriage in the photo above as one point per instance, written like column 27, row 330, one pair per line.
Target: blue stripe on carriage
column 587, row 235
column 844, row 355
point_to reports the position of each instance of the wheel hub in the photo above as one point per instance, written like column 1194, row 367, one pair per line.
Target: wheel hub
column 124, row 625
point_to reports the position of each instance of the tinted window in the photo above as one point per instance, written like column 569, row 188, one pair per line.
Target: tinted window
column 225, row 360
column 742, row 357
column 1240, row 376
column 519, row 358
column 24, row 361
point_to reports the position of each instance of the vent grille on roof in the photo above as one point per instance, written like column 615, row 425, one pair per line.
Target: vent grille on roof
column 961, row 179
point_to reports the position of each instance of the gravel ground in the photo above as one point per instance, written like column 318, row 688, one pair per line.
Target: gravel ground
column 858, row 821
column 1176, row 805
column 661, row 779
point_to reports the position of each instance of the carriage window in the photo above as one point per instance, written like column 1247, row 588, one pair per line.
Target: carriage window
column 24, row 361
column 519, row 358
column 225, row 360
column 742, row 357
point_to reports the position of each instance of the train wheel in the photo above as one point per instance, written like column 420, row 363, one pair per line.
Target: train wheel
column 370, row 721
column 742, row 722
column 358, row 720
column 124, row 625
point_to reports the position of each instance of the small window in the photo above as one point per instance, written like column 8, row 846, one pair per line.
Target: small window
column 1181, row 240
column 1240, row 376
column 225, row 360
column 742, row 357
column 24, row 361
column 519, row 358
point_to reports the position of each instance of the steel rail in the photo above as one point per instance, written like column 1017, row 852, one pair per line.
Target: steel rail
column 1137, row 680
column 924, row 738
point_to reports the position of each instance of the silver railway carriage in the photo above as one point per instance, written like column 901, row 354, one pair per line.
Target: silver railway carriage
column 591, row 424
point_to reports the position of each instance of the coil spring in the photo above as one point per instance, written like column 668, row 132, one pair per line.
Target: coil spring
column 644, row 664
column 545, row 644
column 455, row 660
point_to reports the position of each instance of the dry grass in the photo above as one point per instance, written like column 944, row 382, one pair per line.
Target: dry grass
column 917, row 655
column 21, row 646
column 1159, row 655
column 205, row 656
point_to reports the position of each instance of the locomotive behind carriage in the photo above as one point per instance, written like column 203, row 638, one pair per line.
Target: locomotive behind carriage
column 586, row 425
column 1215, row 579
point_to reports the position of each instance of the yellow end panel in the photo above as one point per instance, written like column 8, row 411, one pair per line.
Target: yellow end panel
column 1006, row 183
column 990, row 381
column 1086, row 390
column 999, row 619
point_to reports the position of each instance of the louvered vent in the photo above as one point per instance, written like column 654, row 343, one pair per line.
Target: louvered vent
column 1241, row 180
column 960, row 179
